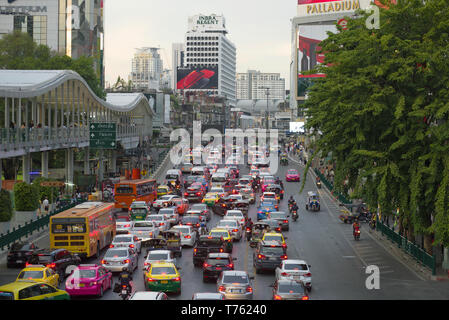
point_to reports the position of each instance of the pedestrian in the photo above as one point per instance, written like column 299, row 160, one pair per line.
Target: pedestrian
column 46, row 204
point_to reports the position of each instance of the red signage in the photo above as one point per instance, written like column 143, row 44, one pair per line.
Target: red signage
column 343, row 23
column 310, row 47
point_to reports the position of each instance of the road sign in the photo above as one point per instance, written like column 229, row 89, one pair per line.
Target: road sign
column 343, row 23
column 103, row 135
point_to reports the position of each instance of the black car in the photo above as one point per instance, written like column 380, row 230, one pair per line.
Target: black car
column 206, row 245
column 282, row 217
column 58, row 259
column 268, row 255
column 215, row 263
column 20, row 254
column 194, row 193
column 221, row 206
column 189, row 180
column 191, row 220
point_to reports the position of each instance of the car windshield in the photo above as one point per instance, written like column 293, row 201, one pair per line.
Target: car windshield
column 156, row 218
column 218, row 190
column 183, row 230
column 139, row 210
column 295, row 267
column 191, row 219
column 86, row 273
column 219, row 179
column 43, row 258
column 234, row 214
column 171, row 176
column 157, row 256
column 199, row 207
column 143, row 224
column 161, row 190
column 223, row 234
column 218, row 261
column 29, row 274
column 20, row 246
column 272, row 238
column 292, row 172
column 119, row 253
column 162, row 270
column 166, row 211
column 123, row 239
column 227, row 224
column 290, row 288
column 4, row 295
column 165, row 198
column 276, row 215
column 273, row 250
column 235, row 279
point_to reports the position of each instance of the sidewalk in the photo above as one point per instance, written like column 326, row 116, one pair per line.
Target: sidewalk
column 400, row 254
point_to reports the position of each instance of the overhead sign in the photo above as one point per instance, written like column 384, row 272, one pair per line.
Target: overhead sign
column 322, row 7
column 103, row 135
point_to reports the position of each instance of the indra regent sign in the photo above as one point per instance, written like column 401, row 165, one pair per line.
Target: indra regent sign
column 207, row 20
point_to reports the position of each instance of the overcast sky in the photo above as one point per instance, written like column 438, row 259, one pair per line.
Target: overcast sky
column 260, row 30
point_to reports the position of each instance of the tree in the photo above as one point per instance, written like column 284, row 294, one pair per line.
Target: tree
column 382, row 110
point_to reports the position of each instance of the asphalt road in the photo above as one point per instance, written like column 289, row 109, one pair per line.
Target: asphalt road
column 338, row 263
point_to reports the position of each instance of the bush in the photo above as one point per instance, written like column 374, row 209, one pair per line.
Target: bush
column 26, row 197
column 44, row 192
column 5, row 206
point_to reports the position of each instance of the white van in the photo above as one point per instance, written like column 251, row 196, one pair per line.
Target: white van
column 174, row 174
column 219, row 179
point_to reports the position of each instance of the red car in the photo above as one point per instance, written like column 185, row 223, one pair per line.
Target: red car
column 292, row 175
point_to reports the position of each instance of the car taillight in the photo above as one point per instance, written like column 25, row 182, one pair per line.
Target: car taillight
column 126, row 226
column 249, row 289
column 206, row 265
column 235, row 230
column 195, row 250
column 131, row 246
column 223, row 205
column 231, row 265
column 51, row 265
column 284, row 257
column 125, row 261
column 261, row 256
column 103, row 262
column 277, row 297
column 284, row 274
column 305, row 298
column 177, row 279
column 111, row 246
column 151, row 280
column 145, row 263
column 285, row 221
column 186, row 194
column 221, row 289
column 197, row 225
column 187, row 237
column 308, row 275
column 221, row 250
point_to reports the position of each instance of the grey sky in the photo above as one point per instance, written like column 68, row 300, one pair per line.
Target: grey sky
column 260, row 29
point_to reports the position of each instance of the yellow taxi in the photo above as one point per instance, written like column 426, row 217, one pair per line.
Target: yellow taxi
column 274, row 236
column 39, row 273
column 211, row 198
column 30, row 290
column 217, row 232
column 162, row 277
column 162, row 191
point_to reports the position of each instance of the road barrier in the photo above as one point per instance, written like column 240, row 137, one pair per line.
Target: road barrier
column 412, row 249
column 330, row 186
column 27, row 230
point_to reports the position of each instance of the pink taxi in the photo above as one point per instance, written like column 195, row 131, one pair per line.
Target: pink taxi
column 88, row 280
column 292, row 175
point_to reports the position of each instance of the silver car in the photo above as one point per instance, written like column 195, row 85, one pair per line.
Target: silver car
column 188, row 235
column 171, row 215
column 116, row 259
column 159, row 255
column 144, row 230
column 143, row 295
column 208, row 296
column 122, row 227
column 236, row 215
column 159, row 221
column 233, row 226
column 289, row 290
column 203, row 208
column 292, row 269
column 159, row 203
column 235, row 285
column 126, row 241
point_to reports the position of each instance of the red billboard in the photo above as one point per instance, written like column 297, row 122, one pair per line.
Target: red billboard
column 197, row 78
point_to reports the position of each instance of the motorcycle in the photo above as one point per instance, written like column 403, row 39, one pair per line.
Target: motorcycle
column 125, row 292
column 248, row 233
column 290, row 206
column 357, row 234
column 294, row 215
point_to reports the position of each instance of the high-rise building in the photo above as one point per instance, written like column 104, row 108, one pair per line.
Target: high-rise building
column 71, row 27
column 147, row 69
column 166, row 80
column 210, row 58
column 178, row 52
column 252, row 85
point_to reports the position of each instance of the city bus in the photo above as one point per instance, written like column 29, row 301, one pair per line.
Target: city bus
column 84, row 229
column 126, row 192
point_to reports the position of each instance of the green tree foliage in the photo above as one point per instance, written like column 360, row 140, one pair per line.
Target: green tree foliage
column 45, row 192
column 18, row 51
column 26, row 197
column 5, row 206
column 383, row 108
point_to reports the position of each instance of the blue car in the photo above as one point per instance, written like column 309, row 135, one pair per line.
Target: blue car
column 264, row 209
column 271, row 202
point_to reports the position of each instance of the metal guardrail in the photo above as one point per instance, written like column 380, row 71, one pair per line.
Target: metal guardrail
column 27, row 230
column 412, row 249
column 330, row 186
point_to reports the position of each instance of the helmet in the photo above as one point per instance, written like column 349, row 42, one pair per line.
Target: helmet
column 125, row 269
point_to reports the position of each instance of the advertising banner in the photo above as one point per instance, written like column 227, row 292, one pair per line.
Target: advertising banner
column 197, row 78
column 323, row 7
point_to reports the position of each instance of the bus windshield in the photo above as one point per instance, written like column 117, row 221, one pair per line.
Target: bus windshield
column 68, row 225
column 124, row 189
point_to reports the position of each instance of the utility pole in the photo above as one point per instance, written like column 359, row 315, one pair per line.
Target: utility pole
column 267, row 115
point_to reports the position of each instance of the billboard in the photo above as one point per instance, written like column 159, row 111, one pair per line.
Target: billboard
column 322, row 7
column 197, row 78
column 305, row 81
column 297, row 127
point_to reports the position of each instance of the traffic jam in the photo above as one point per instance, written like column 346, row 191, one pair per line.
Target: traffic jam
column 224, row 222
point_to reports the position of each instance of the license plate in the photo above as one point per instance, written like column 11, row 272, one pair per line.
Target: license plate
column 124, row 292
column 139, row 217
column 164, row 282
column 236, row 291
column 218, row 268
column 81, row 285
column 19, row 261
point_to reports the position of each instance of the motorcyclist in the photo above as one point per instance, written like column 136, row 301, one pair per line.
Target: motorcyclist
column 355, row 225
column 125, row 278
column 203, row 228
column 249, row 223
column 291, row 200
column 249, row 228
column 295, row 207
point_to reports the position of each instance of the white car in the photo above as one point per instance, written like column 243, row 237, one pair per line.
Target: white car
column 122, row 227
column 144, row 295
column 245, row 181
column 115, row 259
column 218, row 190
column 159, row 203
column 269, row 196
column 236, row 215
column 159, row 255
column 144, row 230
column 188, row 235
column 233, row 227
column 126, row 241
column 159, row 221
column 170, row 214
column 296, row 270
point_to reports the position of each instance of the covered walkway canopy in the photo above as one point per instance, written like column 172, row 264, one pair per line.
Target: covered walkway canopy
column 52, row 109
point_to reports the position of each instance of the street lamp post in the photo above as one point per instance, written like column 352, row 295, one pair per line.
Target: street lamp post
column 268, row 94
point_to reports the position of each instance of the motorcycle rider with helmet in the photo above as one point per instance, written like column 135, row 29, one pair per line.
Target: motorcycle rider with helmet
column 125, row 278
